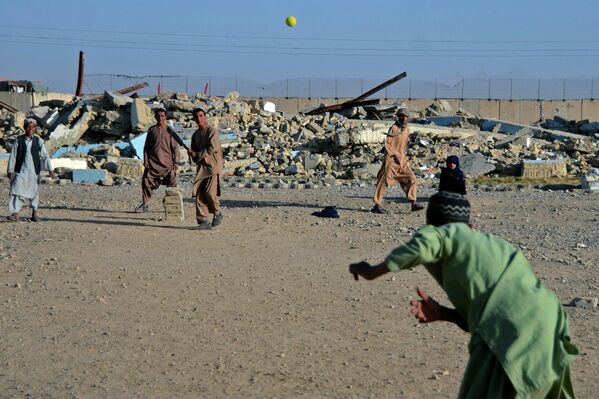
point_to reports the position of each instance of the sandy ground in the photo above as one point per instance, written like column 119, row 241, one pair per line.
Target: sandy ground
column 97, row 301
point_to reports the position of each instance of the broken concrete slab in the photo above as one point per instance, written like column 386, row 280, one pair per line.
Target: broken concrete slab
column 374, row 134
column 53, row 103
column 523, row 138
column 178, row 105
column 311, row 161
column 474, row 165
column 63, row 135
column 113, row 123
column 40, row 112
column 438, row 108
column 89, row 175
column 141, row 116
column 589, row 128
column 129, row 167
column 117, row 99
column 68, row 114
column 237, row 107
column 366, row 172
column 314, row 128
column 441, row 120
column 69, row 163
column 82, row 150
column 590, row 181
column 538, row 132
column 543, row 168
column 231, row 166
column 450, row 132
column 50, row 118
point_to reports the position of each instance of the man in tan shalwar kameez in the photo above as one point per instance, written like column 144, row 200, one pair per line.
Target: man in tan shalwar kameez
column 207, row 153
column 161, row 159
column 395, row 168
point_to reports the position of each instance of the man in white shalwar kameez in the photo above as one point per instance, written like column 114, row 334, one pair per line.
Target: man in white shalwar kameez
column 27, row 159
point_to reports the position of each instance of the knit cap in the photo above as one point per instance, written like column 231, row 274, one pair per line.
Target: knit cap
column 447, row 207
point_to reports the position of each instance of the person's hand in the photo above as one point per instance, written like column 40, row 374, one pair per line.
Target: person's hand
column 359, row 269
column 427, row 309
column 191, row 153
column 11, row 176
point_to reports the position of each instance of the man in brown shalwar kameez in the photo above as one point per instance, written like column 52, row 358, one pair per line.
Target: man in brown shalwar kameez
column 395, row 168
column 207, row 153
column 161, row 157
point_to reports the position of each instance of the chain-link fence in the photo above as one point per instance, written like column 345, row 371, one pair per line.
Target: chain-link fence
column 494, row 89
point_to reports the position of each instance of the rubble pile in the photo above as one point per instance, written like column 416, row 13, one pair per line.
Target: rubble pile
column 584, row 127
column 107, row 132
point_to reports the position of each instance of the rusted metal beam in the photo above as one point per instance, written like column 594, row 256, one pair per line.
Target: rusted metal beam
column 133, row 88
column 358, row 101
column 79, row 90
column 7, row 107
column 380, row 87
column 339, row 107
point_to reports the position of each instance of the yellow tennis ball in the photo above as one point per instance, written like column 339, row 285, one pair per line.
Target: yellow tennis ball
column 291, row 21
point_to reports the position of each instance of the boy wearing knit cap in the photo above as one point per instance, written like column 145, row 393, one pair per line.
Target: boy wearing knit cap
column 520, row 344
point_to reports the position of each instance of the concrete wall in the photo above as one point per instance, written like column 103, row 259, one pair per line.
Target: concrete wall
column 20, row 101
column 517, row 111
column 24, row 101
column 39, row 97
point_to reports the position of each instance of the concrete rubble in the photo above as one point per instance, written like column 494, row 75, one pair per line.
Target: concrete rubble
column 108, row 133
column 590, row 181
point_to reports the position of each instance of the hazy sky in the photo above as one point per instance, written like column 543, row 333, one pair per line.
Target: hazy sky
column 249, row 39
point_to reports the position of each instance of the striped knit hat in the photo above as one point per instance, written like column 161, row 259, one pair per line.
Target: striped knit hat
column 446, row 207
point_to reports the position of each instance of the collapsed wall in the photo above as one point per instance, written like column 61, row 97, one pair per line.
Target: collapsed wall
column 107, row 132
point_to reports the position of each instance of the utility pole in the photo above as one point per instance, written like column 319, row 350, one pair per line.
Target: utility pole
column 79, row 90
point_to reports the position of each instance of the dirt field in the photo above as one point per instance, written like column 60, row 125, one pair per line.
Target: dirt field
column 97, row 301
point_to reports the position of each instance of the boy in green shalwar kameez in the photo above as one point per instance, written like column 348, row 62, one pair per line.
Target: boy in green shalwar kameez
column 520, row 345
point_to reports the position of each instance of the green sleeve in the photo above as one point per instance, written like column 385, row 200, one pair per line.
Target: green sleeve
column 424, row 247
